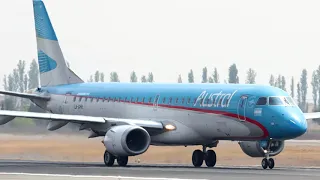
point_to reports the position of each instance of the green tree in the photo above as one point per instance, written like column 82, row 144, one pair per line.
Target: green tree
column 278, row 82
column 114, row 77
column 251, row 76
column 150, row 77
column 233, row 74
column 318, row 75
column 292, row 87
column 283, row 83
column 9, row 100
column 97, row 76
column 190, row 76
column 272, row 80
column 16, row 80
column 5, row 83
column 21, row 70
column 215, row 76
column 210, row 80
column 133, row 77
column 143, row 79
column 102, row 77
column 90, row 79
column 299, row 95
column 33, row 75
column 304, row 88
column 204, row 75
column 25, row 82
column 315, row 87
column 179, row 79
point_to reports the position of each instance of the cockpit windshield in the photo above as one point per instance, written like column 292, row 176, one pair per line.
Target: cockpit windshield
column 281, row 100
column 276, row 101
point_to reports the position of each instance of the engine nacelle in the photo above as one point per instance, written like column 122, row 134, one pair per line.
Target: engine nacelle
column 127, row 140
column 257, row 148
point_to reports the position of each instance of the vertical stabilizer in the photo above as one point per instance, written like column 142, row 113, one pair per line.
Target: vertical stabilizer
column 52, row 65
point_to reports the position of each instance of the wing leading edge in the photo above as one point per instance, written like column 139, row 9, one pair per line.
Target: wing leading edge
column 6, row 116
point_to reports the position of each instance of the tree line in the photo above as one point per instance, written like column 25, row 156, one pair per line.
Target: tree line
column 22, row 79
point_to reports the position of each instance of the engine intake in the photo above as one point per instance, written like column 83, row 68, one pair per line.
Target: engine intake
column 257, row 148
column 127, row 140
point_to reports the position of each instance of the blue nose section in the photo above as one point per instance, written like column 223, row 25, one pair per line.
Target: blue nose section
column 298, row 124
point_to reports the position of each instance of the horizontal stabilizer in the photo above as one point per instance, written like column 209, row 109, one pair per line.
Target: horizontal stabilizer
column 26, row 95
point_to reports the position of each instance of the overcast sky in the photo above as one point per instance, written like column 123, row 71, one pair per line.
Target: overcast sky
column 169, row 37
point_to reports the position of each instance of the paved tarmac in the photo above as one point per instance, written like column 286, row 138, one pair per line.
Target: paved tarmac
column 92, row 171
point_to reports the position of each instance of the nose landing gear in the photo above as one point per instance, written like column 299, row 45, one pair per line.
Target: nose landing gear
column 267, row 162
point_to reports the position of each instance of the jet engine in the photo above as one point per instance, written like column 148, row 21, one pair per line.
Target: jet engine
column 257, row 148
column 126, row 140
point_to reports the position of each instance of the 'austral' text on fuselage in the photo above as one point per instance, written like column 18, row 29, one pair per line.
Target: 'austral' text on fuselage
column 206, row 99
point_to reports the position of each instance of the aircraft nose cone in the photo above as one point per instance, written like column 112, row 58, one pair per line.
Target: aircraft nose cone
column 299, row 125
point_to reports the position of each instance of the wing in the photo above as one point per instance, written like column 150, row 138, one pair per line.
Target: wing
column 314, row 115
column 6, row 116
column 26, row 95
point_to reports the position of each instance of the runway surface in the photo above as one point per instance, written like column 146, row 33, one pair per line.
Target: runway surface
column 56, row 170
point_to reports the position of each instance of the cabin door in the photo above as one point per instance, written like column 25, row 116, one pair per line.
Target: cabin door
column 242, row 108
column 67, row 102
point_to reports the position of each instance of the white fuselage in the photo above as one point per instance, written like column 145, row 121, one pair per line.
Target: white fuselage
column 193, row 128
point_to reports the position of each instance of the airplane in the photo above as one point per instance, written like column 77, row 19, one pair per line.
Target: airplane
column 130, row 117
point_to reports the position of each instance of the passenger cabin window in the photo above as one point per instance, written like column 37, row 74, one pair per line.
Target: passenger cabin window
column 275, row 101
column 262, row 101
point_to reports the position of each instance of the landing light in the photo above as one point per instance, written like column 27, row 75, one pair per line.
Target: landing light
column 170, row 127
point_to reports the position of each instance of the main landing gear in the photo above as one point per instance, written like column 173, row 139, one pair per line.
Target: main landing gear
column 109, row 159
column 267, row 162
column 209, row 156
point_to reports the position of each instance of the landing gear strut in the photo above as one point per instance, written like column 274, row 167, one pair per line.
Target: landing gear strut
column 209, row 156
column 267, row 162
column 110, row 158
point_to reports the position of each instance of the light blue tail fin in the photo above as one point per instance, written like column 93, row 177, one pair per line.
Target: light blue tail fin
column 52, row 65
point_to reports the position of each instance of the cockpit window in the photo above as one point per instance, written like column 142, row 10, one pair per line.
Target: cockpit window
column 275, row 101
column 262, row 101
column 291, row 101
